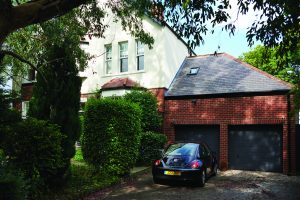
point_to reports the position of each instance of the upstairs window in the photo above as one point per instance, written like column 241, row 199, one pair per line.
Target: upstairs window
column 140, row 55
column 31, row 74
column 108, row 58
column 123, row 48
column 25, row 108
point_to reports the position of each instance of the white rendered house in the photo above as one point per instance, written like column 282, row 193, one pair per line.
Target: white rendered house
column 119, row 57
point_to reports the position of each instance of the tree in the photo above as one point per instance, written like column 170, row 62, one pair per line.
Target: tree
column 286, row 68
column 279, row 22
column 56, row 94
column 265, row 59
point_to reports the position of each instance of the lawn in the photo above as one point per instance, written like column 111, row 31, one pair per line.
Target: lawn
column 84, row 181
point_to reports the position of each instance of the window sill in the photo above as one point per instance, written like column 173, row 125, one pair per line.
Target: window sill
column 124, row 73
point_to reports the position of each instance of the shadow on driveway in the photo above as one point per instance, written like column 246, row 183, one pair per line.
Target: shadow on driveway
column 232, row 184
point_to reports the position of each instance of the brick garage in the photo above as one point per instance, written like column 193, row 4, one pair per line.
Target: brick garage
column 234, row 97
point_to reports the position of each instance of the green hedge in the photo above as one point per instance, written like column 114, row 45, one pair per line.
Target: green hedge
column 34, row 146
column 151, row 146
column 12, row 184
column 151, row 119
column 111, row 136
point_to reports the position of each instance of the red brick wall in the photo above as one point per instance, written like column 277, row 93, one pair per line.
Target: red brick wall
column 160, row 95
column 230, row 111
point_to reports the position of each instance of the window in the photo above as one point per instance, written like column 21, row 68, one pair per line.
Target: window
column 25, row 107
column 123, row 48
column 193, row 71
column 181, row 149
column 108, row 59
column 140, row 55
column 31, row 75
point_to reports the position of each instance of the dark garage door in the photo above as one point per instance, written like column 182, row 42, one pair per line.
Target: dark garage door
column 208, row 133
column 255, row 147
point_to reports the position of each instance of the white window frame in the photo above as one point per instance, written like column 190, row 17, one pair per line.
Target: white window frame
column 25, row 108
column 108, row 59
column 140, row 52
column 123, row 54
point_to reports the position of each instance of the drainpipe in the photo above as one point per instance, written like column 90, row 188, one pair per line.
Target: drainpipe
column 289, row 133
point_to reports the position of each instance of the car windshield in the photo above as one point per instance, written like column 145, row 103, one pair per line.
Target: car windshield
column 181, row 149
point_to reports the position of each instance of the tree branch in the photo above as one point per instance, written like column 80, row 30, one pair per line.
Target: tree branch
column 42, row 10
column 32, row 12
column 15, row 55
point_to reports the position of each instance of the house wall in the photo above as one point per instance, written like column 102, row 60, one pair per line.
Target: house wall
column 161, row 62
column 232, row 111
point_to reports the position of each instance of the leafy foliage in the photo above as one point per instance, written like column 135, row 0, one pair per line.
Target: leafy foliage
column 37, row 39
column 34, row 146
column 267, row 60
column 56, row 95
column 151, row 144
column 111, row 134
column 151, row 119
column 12, row 184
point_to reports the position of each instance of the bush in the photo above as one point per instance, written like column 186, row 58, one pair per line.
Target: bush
column 151, row 119
column 12, row 184
column 34, row 146
column 151, row 146
column 111, row 134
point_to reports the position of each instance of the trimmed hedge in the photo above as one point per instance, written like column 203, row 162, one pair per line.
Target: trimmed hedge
column 151, row 119
column 111, row 136
column 151, row 145
column 34, row 147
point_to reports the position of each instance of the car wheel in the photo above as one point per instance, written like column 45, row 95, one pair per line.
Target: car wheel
column 202, row 179
column 215, row 172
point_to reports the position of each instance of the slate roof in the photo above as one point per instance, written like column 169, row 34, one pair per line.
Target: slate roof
column 118, row 83
column 222, row 74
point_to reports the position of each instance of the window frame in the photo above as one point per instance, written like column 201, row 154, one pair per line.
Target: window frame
column 123, row 57
column 108, row 59
column 25, row 108
column 140, row 54
column 193, row 72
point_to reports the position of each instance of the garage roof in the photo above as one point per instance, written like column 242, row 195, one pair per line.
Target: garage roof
column 221, row 74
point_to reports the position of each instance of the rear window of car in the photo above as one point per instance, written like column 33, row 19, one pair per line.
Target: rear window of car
column 182, row 149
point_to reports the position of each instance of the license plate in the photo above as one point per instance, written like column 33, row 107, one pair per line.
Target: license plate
column 172, row 173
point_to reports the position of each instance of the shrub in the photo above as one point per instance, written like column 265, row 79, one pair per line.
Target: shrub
column 151, row 144
column 151, row 119
column 111, row 134
column 12, row 184
column 34, row 146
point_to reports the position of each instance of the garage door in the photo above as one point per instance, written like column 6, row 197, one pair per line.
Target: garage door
column 255, row 147
column 208, row 133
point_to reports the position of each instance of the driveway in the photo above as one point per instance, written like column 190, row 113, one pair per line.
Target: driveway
column 232, row 184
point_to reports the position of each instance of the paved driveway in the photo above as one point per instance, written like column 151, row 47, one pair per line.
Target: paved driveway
column 232, row 184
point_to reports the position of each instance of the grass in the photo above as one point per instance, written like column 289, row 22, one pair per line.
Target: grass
column 84, row 181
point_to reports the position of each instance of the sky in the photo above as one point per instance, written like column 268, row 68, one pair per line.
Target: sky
column 233, row 45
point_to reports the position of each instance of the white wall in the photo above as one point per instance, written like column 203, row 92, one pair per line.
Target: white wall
column 161, row 62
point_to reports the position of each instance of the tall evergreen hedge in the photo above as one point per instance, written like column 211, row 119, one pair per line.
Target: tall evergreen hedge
column 111, row 136
column 58, row 99
column 151, row 119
